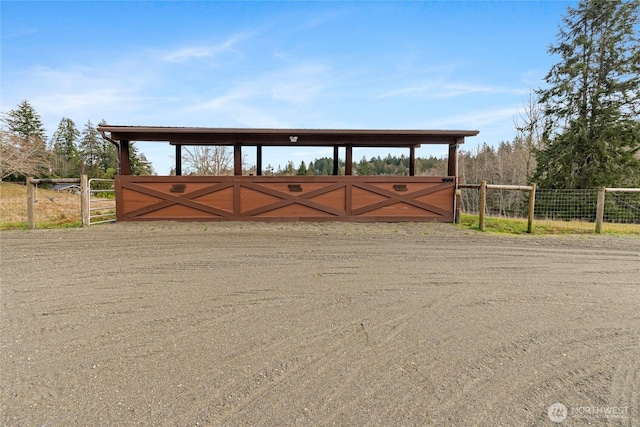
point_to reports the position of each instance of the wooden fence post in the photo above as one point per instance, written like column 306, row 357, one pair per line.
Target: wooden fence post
column 482, row 203
column 532, row 208
column 84, row 199
column 31, row 212
column 600, row 209
column 458, row 209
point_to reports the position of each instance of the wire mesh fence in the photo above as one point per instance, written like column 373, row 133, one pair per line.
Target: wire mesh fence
column 622, row 207
column 500, row 203
column 558, row 205
column 566, row 205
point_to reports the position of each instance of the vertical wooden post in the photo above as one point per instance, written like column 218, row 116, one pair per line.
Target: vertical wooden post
column 237, row 160
column 532, row 208
column 259, row 160
column 412, row 161
column 348, row 162
column 178, row 160
column 458, row 209
column 84, row 199
column 600, row 209
column 452, row 165
column 125, row 163
column 31, row 213
column 336, row 160
column 482, row 203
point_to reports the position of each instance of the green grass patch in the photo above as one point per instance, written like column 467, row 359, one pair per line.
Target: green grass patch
column 545, row 227
column 22, row 225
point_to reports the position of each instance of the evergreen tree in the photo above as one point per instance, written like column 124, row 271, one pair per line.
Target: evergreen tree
column 138, row 163
column 25, row 121
column 107, row 154
column 363, row 167
column 66, row 159
column 90, row 147
column 23, row 149
column 592, row 104
column 302, row 170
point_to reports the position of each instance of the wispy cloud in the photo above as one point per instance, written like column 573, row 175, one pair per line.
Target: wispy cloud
column 269, row 100
column 477, row 118
column 299, row 84
column 450, row 90
column 407, row 91
column 242, row 105
column 75, row 90
column 26, row 31
column 204, row 52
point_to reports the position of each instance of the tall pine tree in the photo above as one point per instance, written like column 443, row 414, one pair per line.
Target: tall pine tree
column 66, row 161
column 25, row 121
column 592, row 103
column 107, row 155
column 90, row 148
column 23, row 148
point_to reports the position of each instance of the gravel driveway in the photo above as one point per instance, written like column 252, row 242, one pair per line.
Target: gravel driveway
column 317, row 324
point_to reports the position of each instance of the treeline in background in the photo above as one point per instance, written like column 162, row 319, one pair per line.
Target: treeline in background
column 26, row 151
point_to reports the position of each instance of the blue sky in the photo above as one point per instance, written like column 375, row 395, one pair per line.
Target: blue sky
column 358, row 65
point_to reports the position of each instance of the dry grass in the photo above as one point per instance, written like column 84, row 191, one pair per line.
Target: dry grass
column 52, row 208
column 544, row 227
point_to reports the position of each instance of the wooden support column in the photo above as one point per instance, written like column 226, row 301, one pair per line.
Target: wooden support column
column 412, row 161
column 336, row 160
column 237, row 160
column 452, row 167
column 348, row 162
column 125, row 163
column 259, row 160
column 178, row 160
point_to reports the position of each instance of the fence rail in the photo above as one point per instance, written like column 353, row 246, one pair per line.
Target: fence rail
column 482, row 199
column 599, row 206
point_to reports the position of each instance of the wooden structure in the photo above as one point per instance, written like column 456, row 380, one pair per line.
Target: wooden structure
column 285, row 198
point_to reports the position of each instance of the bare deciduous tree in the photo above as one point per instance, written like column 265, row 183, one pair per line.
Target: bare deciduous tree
column 207, row 160
column 530, row 127
column 22, row 155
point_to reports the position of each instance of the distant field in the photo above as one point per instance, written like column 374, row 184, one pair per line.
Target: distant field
column 53, row 208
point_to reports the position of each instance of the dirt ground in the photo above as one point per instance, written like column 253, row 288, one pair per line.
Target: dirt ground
column 317, row 324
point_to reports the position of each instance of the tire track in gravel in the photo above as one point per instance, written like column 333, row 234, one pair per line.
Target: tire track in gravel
column 372, row 336
column 547, row 366
column 332, row 341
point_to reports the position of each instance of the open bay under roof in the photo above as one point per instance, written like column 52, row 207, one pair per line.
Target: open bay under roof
column 243, row 137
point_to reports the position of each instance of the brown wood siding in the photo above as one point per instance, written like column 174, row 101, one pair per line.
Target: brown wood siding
column 292, row 198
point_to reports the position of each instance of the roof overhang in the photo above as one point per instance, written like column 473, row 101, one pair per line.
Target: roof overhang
column 286, row 137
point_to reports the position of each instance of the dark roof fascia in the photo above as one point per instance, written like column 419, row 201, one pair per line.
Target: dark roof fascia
column 287, row 137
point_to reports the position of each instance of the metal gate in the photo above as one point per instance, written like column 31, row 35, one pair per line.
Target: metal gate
column 101, row 202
